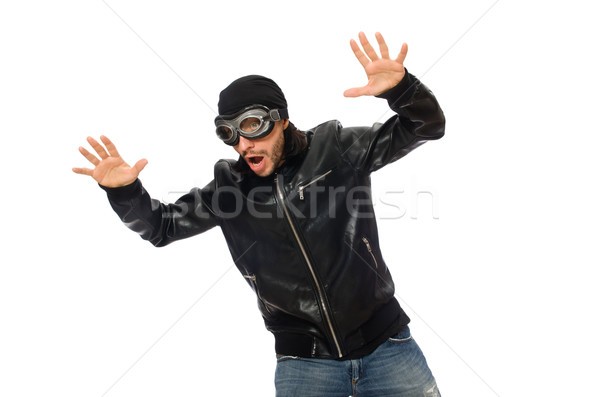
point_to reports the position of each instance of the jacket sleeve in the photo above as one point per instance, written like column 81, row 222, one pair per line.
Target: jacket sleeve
column 161, row 223
column 418, row 119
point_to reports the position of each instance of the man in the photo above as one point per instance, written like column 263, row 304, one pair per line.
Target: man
column 296, row 212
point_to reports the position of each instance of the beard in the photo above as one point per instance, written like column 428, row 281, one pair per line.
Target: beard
column 277, row 155
column 273, row 157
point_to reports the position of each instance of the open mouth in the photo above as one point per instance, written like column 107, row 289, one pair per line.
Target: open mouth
column 255, row 161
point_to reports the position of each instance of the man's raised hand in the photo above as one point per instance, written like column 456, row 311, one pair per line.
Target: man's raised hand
column 382, row 73
column 110, row 170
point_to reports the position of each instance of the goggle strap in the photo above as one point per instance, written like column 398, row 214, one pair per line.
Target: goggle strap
column 283, row 114
column 274, row 114
column 278, row 114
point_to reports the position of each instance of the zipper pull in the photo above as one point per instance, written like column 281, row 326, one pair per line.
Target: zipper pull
column 301, row 192
column 364, row 239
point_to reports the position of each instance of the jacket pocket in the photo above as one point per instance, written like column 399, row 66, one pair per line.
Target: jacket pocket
column 254, row 284
column 309, row 183
column 384, row 286
column 367, row 244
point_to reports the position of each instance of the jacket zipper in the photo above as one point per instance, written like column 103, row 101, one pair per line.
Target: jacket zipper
column 309, row 264
column 366, row 241
column 302, row 187
column 253, row 278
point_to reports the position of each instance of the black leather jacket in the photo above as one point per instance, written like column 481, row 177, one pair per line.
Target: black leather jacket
column 305, row 238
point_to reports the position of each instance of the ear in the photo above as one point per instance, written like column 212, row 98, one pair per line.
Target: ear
column 286, row 122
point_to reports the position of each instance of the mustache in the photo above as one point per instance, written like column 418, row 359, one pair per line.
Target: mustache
column 262, row 153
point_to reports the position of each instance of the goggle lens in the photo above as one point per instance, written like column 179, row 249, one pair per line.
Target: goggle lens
column 252, row 122
column 224, row 133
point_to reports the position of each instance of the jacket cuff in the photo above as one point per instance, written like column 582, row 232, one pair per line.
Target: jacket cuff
column 401, row 92
column 123, row 193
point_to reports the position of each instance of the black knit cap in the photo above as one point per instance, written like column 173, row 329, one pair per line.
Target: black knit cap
column 251, row 90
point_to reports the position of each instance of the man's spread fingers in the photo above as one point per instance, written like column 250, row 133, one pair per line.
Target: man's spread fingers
column 91, row 158
column 403, row 52
column 362, row 58
column 367, row 47
column 97, row 147
column 112, row 149
column 383, row 48
column 83, row 171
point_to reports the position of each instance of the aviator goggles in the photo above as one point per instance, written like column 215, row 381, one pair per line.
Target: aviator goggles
column 252, row 122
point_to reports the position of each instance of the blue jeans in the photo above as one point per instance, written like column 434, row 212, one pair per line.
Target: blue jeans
column 396, row 368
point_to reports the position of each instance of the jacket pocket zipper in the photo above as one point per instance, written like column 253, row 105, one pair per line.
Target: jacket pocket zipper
column 366, row 241
column 252, row 278
column 302, row 187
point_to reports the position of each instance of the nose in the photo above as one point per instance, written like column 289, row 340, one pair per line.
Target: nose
column 244, row 144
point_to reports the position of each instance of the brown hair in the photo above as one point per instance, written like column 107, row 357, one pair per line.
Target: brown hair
column 295, row 141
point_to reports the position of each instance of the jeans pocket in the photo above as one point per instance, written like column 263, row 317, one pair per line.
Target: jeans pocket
column 401, row 337
column 283, row 357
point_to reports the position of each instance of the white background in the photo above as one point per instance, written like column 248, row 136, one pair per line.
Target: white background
column 501, row 287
